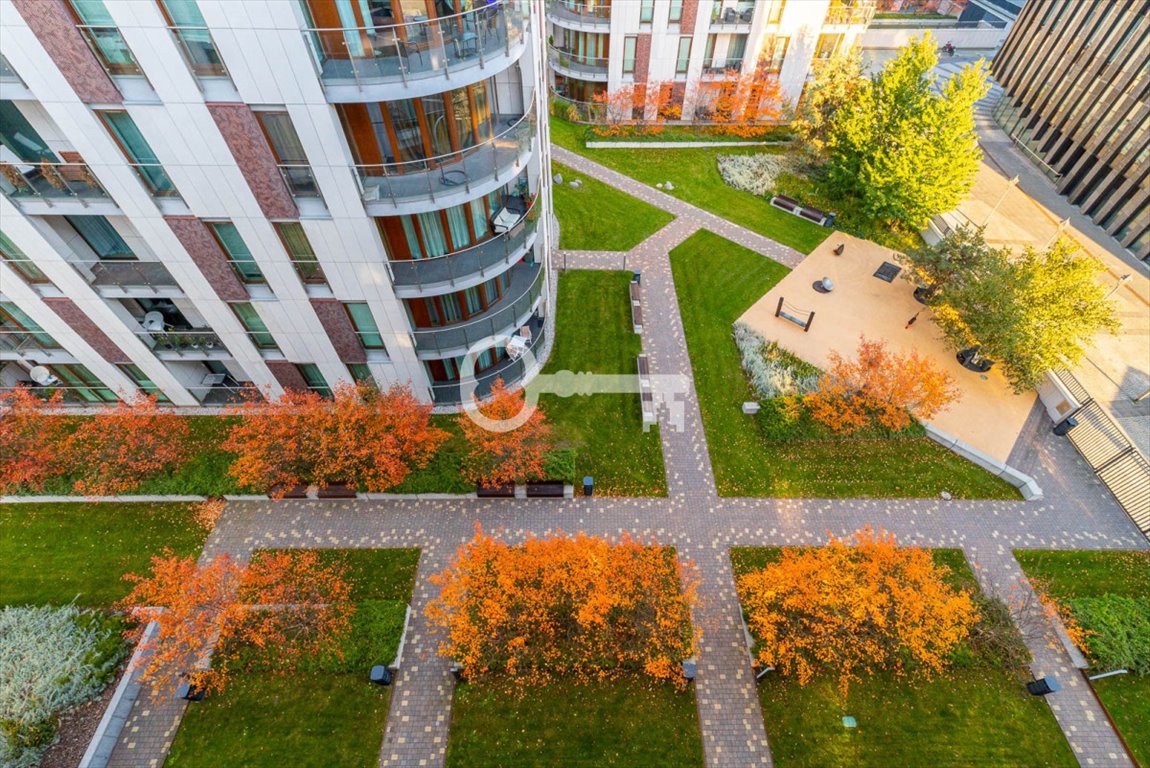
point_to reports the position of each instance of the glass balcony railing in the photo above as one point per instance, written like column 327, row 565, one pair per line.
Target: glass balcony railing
column 720, row 66
column 581, row 11
column 185, row 342
column 512, row 309
column 578, row 65
column 417, row 49
column 128, row 274
column 50, row 182
column 470, row 263
column 26, row 341
column 860, row 12
column 421, row 180
column 510, row 370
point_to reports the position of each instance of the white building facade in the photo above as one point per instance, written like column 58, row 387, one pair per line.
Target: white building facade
column 204, row 195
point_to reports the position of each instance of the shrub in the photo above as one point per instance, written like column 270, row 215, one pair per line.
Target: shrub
column 1117, row 630
column 771, row 370
column 756, row 174
column 560, row 465
column 51, row 660
column 996, row 637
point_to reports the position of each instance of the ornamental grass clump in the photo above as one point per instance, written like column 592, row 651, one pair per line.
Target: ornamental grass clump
column 756, row 174
column 51, row 660
column 772, row 371
column 566, row 605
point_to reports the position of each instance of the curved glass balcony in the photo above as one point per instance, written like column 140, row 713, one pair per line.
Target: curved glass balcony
column 511, row 311
column 580, row 67
column 465, row 268
column 578, row 14
column 67, row 187
column 418, row 51
column 511, row 371
column 449, row 179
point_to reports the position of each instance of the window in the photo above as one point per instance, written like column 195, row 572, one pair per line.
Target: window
column 646, row 11
column 778, row 54
column 827, row 46
column 736, row 49
column 365, row 326
column 299, row 250
column 139, row 153
column 191, row 33
column 776, row 14
column 101, row 237
column 17, row 330
column 20, row 262
column 361, row 373
column 105, row 40
column 314, row 378
column 629, row 43
column 20, row 138
column 81, row 384
column 288, row 151
column 709, row 52
column 684, row 59
column 252, row 322
column 237, row 251
column 140, row 379
column 676, row 13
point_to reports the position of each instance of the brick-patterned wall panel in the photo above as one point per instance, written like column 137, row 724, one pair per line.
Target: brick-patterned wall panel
column 642, row 58
column 249, row 146
column 690, row 14
column 208, row 256
column 333, row 317
column 79, row 322
column 55, row 28
column 287, row 375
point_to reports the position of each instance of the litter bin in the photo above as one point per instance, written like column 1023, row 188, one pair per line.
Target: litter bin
column 588, row 486
column 636, row 276
column 380, row 675
column 1064, row 426
column 1043, row 686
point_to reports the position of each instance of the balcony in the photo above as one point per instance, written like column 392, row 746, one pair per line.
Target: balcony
column 446, row 180
column 737, row 16
column 18, row 344
column 129, row 279
column 843, row 14
column 425, row 56
column 580, row 15
column 55, row 188
column 512, row 311
column 511, row 371
column 190, row 344
column 569, row 64
column 465, row 268
column 721, row 67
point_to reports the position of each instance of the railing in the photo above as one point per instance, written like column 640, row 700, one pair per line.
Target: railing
column 193, row 340
column 860, row 13
column 741, row 13
column 574, row 62
column 417, row 49
column 419, row 180
column 19, row 341
column 720, row 66
column 510, row 370
column 587, row 12
column 468, row 263
column 70, row 395
column 129, row 273
column 453, row 340
column 299, row 179
column 50, row 181
column 199, row 51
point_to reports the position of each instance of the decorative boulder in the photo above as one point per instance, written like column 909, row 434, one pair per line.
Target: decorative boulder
column 558, row 178
column 659, row 185
column 669, row 187
column 576, row 184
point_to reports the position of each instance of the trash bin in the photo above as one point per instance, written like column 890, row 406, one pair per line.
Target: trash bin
column 1043, row 686
column 636, row 276
column 189, row 692
column 588, row 486
column 1064, row 426
column 380, row 675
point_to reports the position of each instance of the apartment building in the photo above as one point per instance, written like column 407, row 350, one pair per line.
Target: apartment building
column 1076, row 82
column 599, row 47
column 201, row 195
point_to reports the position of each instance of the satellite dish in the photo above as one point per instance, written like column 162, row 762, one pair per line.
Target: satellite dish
column 42, row 376
column 153, row 321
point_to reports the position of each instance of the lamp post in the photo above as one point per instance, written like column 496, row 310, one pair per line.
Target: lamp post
column 1010, row 185
column 1062, row 225
column 1121, row 282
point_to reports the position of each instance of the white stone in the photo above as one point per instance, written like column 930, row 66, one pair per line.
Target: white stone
column 558, row 178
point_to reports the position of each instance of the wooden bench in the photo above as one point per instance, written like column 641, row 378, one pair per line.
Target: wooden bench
column 337, row 491
column 646, row 395
column 294, row 492
column 792, row 206
column 496, row 491
column 546, row 489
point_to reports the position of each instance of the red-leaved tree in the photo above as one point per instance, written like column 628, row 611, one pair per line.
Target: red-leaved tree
column 207, row 615
column 501, row 457
column 32, row 432
column 747, row 104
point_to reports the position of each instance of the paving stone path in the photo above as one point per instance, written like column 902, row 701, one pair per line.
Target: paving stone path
column 703, row 527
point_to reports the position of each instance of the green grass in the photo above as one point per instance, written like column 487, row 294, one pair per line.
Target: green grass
column 977, row 714
column 716, row 281
column 1069, row 574
column 53, row 553
column 593, row 333
column 695, row 176
column 327, row 714
column 626, row 723
column 598, row 217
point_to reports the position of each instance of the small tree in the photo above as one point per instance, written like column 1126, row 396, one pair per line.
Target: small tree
column 747, row 104
column 32, row 437
column 565, row 605
column 1031, row 313
column 834, row 85
column 854, row 607
column 957, row 256
column 512, row 456
column 879, row 386
column 121, row 446
column 293, row 603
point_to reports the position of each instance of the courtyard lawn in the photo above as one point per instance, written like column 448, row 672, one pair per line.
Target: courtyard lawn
column 598, row 217
column 54, row 553
column 593, row 333
column 716, row 281
column 1068, row 574
column 328, row 713
column 695, row 176
column 630, row 722
column 976, row 714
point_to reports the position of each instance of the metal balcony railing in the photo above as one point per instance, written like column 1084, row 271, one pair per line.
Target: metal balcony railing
column 511, row 371
column 418, row 180
column 194, row 340
column 50, row 182
column 578, row 64
column 509, row 312
column 418, row 49
column 860, row 12
column 129, row 274
column 581, row 11
column 25, row 341
column 473, row 262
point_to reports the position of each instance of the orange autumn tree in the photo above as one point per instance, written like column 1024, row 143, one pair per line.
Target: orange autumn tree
column 360, row 436
column 120, row 446
column 748, row 104
column 502, row 457
column 32, row 431
column 620, row 106
column 563, row 605
column 293, row 603
column 881, row 386
column 855, row 607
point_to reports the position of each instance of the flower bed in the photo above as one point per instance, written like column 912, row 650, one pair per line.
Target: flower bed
column 756, row 174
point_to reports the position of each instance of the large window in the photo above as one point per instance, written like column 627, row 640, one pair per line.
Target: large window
column 438, row 233
column 675, row 15
column 138, row 152
column 361, row 373
column 288, row 151
column 777, row 54
column 17, row 329
column 299, row 249
column 314, row 378
column 237, row 251
column 457, row 307
column 646, row 11
column 99, row 234
column 684, row 59
column 19, row 261
column 254, row 324
column 141, row 380
column 19, row 137
column 105, row 40
column 81, row 384
column 365, row 325
column 191, row 33
column 776, row 12
column 629, row 44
